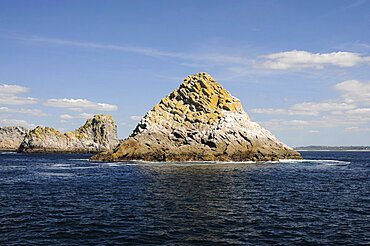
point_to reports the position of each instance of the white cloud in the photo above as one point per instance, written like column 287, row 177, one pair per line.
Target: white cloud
column 228, row 65
column 34, row 112
column 280, row 111
column 136, row 117
column 321, row 106
column 14, row 100
column 363, row 113
column 79, row 105
column 357, row 129
column 278, row 124
column 15, row 122
column 350, row 110
column 314, row 131
column 85, row 115
column 352, row 128
column 350, row 118
column 66, row 117
column 307, row 108
column 354, row 91
column 12, row 89
column 8, row 95
column 303, row 59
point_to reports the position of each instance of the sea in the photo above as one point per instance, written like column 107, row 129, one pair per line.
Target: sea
column 65, row 199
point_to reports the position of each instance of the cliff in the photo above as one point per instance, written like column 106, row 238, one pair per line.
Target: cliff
column 200, row 121
column 11, row 137
column 99, row 133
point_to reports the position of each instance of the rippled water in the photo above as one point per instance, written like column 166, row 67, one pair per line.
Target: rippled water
column 67, row 200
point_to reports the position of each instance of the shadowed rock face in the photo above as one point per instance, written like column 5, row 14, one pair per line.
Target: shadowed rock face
column 200, row 121
column 11, row 137
column 99, row 133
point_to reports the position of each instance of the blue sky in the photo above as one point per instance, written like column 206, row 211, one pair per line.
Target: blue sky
column 300, row 68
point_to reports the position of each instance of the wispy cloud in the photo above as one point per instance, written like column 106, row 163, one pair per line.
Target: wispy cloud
column 232, row 64
column 354, row 91
column 16, row 122
column 346, row 120
column 14, row 100
column 66, row 117
column 188, row 59
column 79, row 105
column 296, row 59
column 12, row 89
column 91, row 45
column 351, row 110
column 314, row 131
column 33, row 112
column 281, row 111
column 9, row 95
column 306, row 108
column 135, row 117
column 357, row 129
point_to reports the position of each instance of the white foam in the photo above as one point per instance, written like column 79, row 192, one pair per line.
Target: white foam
column 61, row 165
column 287, row 161
column 69, row 166
column 8, row 153
column 56, row 174
column 119, row 164
column 205, row 163
column 11, row 167
column 318, row 161
column 193, row 162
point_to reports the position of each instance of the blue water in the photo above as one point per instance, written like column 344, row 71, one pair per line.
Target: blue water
column 67, row 200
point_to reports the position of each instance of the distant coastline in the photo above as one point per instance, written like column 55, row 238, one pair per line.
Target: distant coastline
column 332, row 148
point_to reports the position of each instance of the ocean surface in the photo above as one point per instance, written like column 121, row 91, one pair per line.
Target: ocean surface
column 67, row 200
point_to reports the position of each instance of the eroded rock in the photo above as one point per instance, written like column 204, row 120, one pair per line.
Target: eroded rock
column 99, row 133
column 11, row 137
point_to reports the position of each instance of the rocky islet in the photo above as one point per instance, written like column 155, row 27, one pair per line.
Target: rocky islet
column 199, row 121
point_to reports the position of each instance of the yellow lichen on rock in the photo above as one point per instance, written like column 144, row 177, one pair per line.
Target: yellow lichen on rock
column 198, row 99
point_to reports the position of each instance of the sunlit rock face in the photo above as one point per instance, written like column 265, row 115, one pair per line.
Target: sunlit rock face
column 200, row 121
column 11, row 137
column 99, row 133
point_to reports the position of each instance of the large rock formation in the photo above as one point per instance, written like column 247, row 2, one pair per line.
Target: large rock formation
column 99, row 133
column 11, row 137
column 200, row 121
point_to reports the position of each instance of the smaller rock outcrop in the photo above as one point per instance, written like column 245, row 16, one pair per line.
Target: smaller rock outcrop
column 11, row 137
column 99, row 133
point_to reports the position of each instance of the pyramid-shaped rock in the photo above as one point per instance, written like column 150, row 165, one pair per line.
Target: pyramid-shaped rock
column 200, row 121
